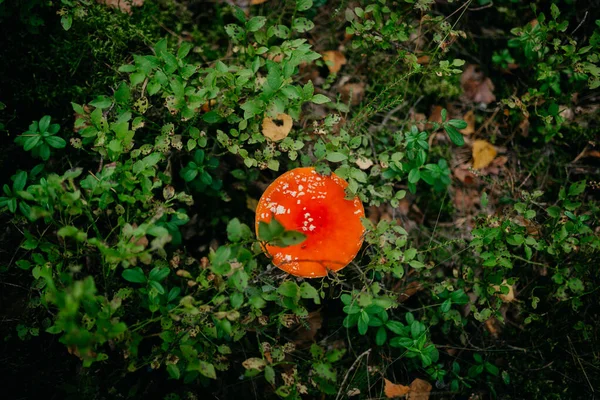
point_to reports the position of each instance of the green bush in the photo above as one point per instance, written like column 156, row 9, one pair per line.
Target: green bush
column 134, row 235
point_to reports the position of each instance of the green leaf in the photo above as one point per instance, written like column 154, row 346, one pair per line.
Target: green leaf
column 320, row 99
column 577, row 188
column 335, row 157
column 303, row 5
column 56, row 142
column 381, row 336
column 66, row 21
column 135, row 275
column 458, row 123
column 31, row 142
column 446, row 305
column 270, row 374
column 44, row 123
column 302, row 25
column 255, row 23
column 207, row 369
column 188, row 174
column 173, row 371
column 455, row 136
column 184, row 49
column 20, row 181
column 309, row 292
column 414, row 175
column 158, row 274
column 289, row 289
column 159, row 288
column 101, row 102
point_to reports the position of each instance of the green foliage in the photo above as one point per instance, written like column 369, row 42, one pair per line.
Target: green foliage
column 138, row 246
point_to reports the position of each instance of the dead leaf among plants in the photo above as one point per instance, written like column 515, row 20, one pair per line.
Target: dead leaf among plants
column 476, row 86
column 334, row 59
column 364, row 163
column 305, row 334
column 469, row 118
column 277, row 128
column 393, row 390
column 419, row 389
column 353, row 93
column 123, row 5
column 483, row 154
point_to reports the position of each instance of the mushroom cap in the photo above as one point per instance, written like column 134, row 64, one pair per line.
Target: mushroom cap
column 314, row 204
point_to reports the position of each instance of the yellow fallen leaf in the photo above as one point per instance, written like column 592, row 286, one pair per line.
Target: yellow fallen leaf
column 419, row 390
column 277, row 128
column 483, row 154
column 508, row 297
column 469, row 118
column 334, row 59
column 255, row 2
column 393, row 390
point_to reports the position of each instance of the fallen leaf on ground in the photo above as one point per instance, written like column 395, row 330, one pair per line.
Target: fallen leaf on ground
column 423, row 60
column 123, row 5
column 419, row 390
column 469, row 118
column 304, row 334
column 412, row 288
column 334, row 59
column 483, row 154
column 510, row 296
column 592, row 153
column 353, row 392
column 477, row 87
column 352, row 93
column 277, row 128
column 463, row 174
column 466, row 199
column 393, row 390
column 436, row 114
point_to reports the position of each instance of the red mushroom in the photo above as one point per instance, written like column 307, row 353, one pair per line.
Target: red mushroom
column 313, row 204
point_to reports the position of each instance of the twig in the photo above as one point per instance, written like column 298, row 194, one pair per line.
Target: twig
column 366, row 353
column 491, row 4
column 581, row 23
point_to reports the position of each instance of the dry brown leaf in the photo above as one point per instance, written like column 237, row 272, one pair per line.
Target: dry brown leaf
column 419, row 390
column 412, row 288
column 352, row 93
column 256, row 2
column 303, row 334
column 277, row 128
column 463, row 174
column 469, row 118
column 436, row 114
column 393, row 390
column 334, row 59
column 123, row 5
column 592, row 153
column 510, row 296
column 483, row 154
column 423, row 60
column 353, row 392
column 477, row 87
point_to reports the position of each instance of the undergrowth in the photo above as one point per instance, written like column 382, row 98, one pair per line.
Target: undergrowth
column 135, row 149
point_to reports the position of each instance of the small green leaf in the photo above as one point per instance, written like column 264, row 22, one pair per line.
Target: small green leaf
column 455, row 136
column 173, row 371
column 135, row 275
column 320, row 99
column 335, row 157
